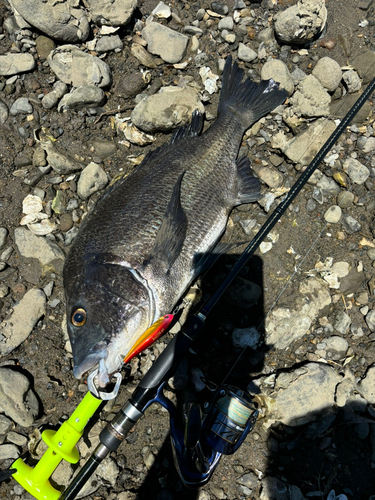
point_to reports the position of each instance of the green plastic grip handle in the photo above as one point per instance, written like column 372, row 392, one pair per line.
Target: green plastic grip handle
column 61, row 446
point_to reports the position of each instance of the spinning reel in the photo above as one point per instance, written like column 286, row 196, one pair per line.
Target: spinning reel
column 219, row 428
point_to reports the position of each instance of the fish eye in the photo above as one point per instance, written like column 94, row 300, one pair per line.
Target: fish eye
column 79, row 317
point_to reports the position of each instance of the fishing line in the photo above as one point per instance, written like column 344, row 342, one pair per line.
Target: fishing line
column 316, row 161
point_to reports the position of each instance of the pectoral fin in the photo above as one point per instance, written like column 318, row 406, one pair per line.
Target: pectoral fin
column 171, row 235
column 248, row 185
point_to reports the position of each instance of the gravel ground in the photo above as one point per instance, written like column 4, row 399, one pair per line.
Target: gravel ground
column 309, row 291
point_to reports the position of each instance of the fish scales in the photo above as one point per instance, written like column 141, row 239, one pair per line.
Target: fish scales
column 140, row 247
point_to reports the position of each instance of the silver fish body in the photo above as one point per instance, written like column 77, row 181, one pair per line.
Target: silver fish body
column 142, row 244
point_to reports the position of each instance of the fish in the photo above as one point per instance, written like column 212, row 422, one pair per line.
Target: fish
column 149, row 236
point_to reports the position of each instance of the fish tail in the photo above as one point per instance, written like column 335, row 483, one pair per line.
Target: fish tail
column 247, row 100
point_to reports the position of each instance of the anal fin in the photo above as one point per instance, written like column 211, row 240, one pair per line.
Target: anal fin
column 248, row 185
column 171, row 234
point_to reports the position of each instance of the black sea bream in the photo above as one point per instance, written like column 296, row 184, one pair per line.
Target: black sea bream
column 142, row 245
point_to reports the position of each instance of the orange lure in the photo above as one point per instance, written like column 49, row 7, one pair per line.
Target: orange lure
column 150, row 336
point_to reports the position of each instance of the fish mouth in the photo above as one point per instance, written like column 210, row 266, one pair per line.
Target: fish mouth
column 97, row 355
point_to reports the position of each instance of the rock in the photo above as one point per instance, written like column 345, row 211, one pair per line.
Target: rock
column 370, row 320
column 129, row 85
column 245, row 337
column 302, row 148
column 17, row 400
column 63, row 473
column 328, row 72
column 166, row 110
column 18, row 326
column 4, row 112
column 66, row 222
column 274, row 489
column 59, row 160
column 3, row 237
column 47, row 255
column 62, row 20
column 357, row 172
column 143, row 56
column 164, row 42
column 162, row 11
column 243, row 293
column 5, row 425
column 333, row 214
column 305, row 392
column 345, row 199
column 350, row 224
column 226, row 23
column 341, row 107
column 14, row 64
column 104, row 149
column 220, row 8
column 108, row 470
column 369, row 145
column 8, row 451
column 337, row 346
column 311, row 99
column 75, row 67
column 92, row 179
column 44, row 46
column 249, row 480
column 365, row 65
column 246, row 53
column 278, row 71
column 17, row 439
column 111, row 12
column 367, row 386
column 51, row 99
column 284, row 325
column 269, row 175
column 88, row 96
column 300, row 23
column 341, row 322
column 108, row 43
column 328, row 186
column 352, row 80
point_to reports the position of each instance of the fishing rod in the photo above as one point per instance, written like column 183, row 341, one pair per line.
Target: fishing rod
column 151, row 386
column 198, row 447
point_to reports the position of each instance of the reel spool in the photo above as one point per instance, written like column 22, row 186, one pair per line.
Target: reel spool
column 230, row 419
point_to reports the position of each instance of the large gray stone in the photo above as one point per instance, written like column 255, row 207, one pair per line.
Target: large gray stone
column 45, row 253
column 14, row 64
column 328, row 72
column 311, row 99
column 299, row 23
column 73, row 66
column 92, row 179
column 88, row 96
column 17, row 400
column 304, row 393
column 278, row 71
column 60, row 160
column 367, row 386
column 112, row 12
column 18, row 326
column 302, row 148
column 166, row 110
column 60, row 20
column 284, row 324
column 164, row 42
